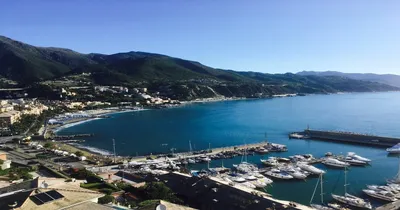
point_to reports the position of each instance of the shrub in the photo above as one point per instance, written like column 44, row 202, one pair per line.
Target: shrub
column 106, row 199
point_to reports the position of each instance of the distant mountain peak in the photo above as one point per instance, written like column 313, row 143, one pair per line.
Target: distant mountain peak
column 389, row 79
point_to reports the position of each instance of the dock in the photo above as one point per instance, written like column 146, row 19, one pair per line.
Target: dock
column 390, row 206
column 211, row 151
column 347, row 137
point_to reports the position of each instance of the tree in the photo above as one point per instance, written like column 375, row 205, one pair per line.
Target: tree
column 49, row 145
column 158, row 190
column 79, row 153
column 106, row 199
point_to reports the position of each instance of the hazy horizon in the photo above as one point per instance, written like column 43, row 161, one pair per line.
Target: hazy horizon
column 270, row 37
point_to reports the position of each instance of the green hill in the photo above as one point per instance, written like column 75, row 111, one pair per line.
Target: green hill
column 26, row 64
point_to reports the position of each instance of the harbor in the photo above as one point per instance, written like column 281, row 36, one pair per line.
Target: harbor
column 262, row 176
column 131, row 139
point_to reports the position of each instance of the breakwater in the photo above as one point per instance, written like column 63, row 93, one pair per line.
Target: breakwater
column 347, row 137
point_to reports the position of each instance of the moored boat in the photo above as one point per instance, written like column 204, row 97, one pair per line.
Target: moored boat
column 270, row 161
column 355, row 162
column 310, row 168
column 394, row 150
column 353, row 156
column 382, row 195
column 352, row 201
column 335, row 163
column 275, row 173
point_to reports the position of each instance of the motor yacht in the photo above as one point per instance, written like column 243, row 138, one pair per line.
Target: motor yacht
column 355, row 162
column 357, row 157
column 382, row 195
column 310, row 168
column 335, row 163
column 276, row 173
column 352, row 201
column 272, row 161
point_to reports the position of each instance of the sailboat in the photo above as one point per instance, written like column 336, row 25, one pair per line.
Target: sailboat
column 244, row 166
column 396, row 179
column 351, row 200
column 318, row 206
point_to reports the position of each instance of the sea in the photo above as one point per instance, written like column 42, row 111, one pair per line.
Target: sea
column 226, row 123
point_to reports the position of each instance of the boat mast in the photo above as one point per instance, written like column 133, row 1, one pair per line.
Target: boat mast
column 397, row 178
column 315, row 189
column 190, row 146
column 345, row 180
column 322, row 190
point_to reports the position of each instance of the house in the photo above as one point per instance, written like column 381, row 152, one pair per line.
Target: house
column 9, row 118
column 6, row 163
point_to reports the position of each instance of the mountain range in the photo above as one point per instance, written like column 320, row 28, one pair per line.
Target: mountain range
column 389, row 79
column 23, row 65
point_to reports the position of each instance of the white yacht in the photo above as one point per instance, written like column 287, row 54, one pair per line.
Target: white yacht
column 191, row 161
column 272, row 161
column 239, row 179
column 352, row 201
column 335, row 163
column 353, row 156
column 295, row 172
column 382, row 188
column 276, row 173
column 355, row 162
column 250, row 178
column 394, row 150
column 383, row 195
column 310, row 168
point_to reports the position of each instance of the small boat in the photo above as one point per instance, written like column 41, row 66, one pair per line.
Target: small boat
column 355, row 162
column 310, row 168
column 278, row 174
column 270, row 161
column 191, row 161
column 328, row 154
column 280, row 159
column 335, row 163
column 250, row 178
column 382, row 195
column 248, row 185
column 357, row 157
column 394, row 150
column 239, row 179
column 261, row 151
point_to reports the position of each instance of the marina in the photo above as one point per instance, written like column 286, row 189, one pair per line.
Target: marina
column 381, row 168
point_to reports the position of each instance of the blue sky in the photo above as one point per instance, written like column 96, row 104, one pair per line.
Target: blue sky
column 266, row 36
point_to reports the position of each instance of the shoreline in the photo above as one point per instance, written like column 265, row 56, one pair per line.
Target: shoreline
column 99, row 113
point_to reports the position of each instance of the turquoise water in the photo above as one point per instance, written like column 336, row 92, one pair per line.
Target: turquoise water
column 238, row 122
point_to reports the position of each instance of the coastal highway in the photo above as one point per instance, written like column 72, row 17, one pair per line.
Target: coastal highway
column 5, row 139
